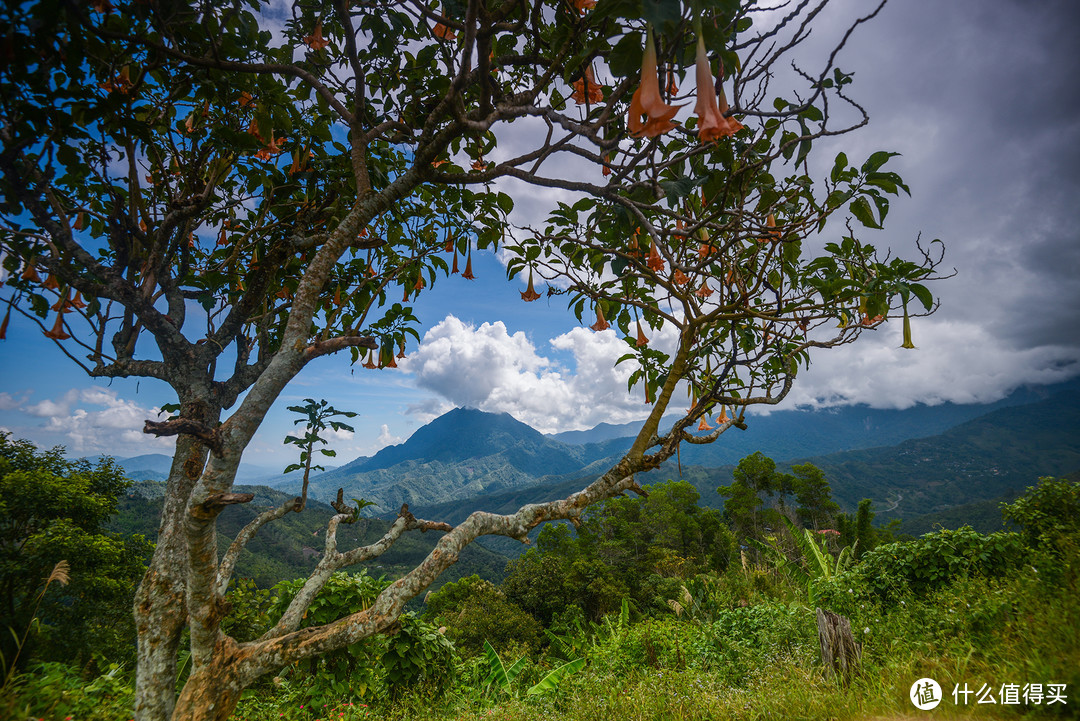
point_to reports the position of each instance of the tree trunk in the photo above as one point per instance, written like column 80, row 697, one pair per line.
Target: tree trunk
column 160, row 609
column 212, row 691
column 840, row 652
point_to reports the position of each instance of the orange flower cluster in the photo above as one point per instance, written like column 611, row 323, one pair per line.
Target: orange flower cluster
column 647, row 101
column 712, row 123
column 712, row 110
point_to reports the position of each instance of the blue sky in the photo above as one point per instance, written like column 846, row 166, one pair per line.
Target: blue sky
column 979, row 97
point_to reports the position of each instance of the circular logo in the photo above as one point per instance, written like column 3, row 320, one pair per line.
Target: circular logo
column 925, row 694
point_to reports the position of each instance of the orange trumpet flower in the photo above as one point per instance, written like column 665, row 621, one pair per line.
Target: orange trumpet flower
column 530, row 294
column 30, row 272
column 316, row 41
column 641, row 339
column 655, row 262
column 442, row 31
column 647, row 101
column 586, row 90
column 774, row 235
column 57, row 332
column 468, row 274
column 710, row 110
column 704, row 424
column 601, row 323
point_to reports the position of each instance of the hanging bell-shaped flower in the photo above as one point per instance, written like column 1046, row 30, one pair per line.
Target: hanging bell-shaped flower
column 647, row 101
column 370, row 363
column 4, row 324
column 468, row 274
column 316, row 41
column 641, row 339
column 601, row 323
column 530, row 294
column 586, row 90
column 30, row 271
column 655, row 262
column 703, row 425
column 57, row 332
column 907, row 330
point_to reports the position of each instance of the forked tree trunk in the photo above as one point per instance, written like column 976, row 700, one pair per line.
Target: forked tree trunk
column 212, row 691
column 160, row 609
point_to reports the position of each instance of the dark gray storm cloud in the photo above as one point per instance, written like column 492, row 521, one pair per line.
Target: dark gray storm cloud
column 982, row 99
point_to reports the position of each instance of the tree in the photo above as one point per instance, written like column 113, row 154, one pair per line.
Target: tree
column 814, row 496
column 54, row 510
column 191, row 197
column 744, row 505
column 858, row 531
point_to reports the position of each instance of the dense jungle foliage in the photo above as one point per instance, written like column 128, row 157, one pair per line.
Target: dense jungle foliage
column 654, row 608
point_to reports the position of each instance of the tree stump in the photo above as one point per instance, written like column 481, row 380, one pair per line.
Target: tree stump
column 840, row 652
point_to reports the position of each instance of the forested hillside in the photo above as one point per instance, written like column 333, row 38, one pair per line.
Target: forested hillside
column 291, row 547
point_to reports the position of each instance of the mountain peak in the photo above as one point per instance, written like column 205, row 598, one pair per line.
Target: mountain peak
column 458, row 435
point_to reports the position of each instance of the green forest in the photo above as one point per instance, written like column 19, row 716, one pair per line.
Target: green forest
column 653, row 607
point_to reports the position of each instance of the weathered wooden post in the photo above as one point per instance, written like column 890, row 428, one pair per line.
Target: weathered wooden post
column 840, row 652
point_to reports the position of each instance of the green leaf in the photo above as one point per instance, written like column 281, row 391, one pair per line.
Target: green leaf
column 625, row 57
column 861, row 210
column 839, row 167
column 551, row 681
column 876, row 160
column 924, row 295
column 496, row 674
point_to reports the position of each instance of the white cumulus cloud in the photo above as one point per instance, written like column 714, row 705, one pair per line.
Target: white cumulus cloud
column 954, row 361
column 489, row 368
column 97, row 420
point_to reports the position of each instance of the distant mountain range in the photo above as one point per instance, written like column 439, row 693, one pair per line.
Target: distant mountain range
column 469, row 454
column 920, row 460
column 155, row 467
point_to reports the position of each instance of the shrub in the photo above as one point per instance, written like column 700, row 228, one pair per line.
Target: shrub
column 925, row 564
column 56, row 690
column 474, row 611
column 1046, row 511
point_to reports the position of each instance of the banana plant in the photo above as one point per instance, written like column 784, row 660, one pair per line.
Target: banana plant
column 500, row 677
column 819, row 565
